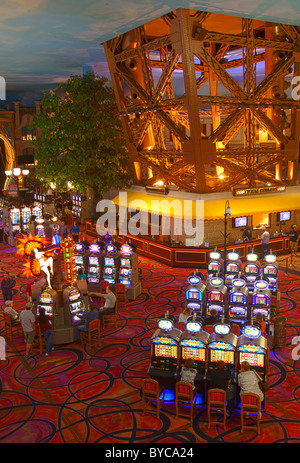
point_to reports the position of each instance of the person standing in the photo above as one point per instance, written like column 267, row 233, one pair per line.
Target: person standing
column 75, row 231
column 7, row 285
column 44, row 322
column 28, row 325
column 265, row 239
column 1, row 230
column 6, row 232
column 294, row 236
column 64, row 230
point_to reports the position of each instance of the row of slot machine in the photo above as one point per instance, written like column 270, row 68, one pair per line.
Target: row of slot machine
column 107, row 263
column 25, row 213
column 171, row 347
column 238, row 297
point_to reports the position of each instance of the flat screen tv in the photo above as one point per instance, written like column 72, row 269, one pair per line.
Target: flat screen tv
column 285, row 215
column 240, row 221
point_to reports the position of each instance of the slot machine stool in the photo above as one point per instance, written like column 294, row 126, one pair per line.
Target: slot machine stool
column 110, row 318
column 250, row 403
column 11, row 329
column 216, row 400
column 151, row 390
column 184, row 392
column 39, row 340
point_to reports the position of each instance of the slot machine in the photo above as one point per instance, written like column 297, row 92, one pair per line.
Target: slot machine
column 222, row 346
column 195, row 294
column 128, row 270
column 253, row 348
column 79, row 257
column 238, row 300
column 15, row 220
column 216, row 296
column 40, row 229
column 251, row 269
column 270, row 272
column 74, row 305
column 26, row 213
column 49, row 301
column 233, row 267
column 215, row 264
column 110, row 263
column 94, row 264
column 165, row 349
column 193, row 344
column 37, row 212
column 261, row 300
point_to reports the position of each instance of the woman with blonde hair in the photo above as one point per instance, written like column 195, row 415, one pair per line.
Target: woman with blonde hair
column 248, row 381
column 184, row 315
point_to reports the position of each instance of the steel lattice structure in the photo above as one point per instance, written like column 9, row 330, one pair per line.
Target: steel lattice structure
column 164, row 130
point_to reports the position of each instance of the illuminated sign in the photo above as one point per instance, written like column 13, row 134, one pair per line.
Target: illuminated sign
column 257, row 191
column 68, row 248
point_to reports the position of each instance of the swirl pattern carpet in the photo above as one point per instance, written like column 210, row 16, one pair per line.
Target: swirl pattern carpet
column 83, row 395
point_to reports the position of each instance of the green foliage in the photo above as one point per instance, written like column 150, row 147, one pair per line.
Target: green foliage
column 81, row 137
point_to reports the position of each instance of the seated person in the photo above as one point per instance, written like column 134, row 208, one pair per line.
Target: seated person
column 90, row 315
column 260, row 319
column 188, row 373
column 14, row 316
column 219, row 378
column 184, row 315
column 109, row 304
column 212, row 318
column 81, row 275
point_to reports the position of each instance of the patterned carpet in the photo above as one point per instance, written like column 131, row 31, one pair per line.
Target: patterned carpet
column 83, row 395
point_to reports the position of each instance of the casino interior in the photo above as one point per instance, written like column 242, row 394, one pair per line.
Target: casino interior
column 223, row 156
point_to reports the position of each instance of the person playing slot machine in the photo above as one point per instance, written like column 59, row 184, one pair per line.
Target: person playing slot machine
column 212, row 319
column 184, row 315
column 219, row 378
column 248, row 381
column 260, row 319
column 90, row 315
column 44, row 322
column 188, row 373
column 109, row 304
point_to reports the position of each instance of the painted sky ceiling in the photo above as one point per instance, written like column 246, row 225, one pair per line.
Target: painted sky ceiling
column 43, row 42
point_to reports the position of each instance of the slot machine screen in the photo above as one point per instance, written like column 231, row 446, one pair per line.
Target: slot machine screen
column 93, row 280
column 125, row 262
column 48, row 309
column 226, row 355
column 251, row 269
column 255, row 360
column 165, row 351
column 93, row 260
column 108, row 271
column 109, row 261
column 79, row 260
column 125, row 282
column 214, row 266
column 93, row 269
column 194, row 295
column 270, row 270
column 193, row 306
column 76, row 307
column 193, row 353
column 232, row 268
column 260, row 299
column 215, row 296
column 237, row 298
column 125, row 271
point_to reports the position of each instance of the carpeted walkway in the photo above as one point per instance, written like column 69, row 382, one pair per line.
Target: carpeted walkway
column 78, row 395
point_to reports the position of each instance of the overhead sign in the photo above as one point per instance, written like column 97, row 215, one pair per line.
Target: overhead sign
column 257, row 191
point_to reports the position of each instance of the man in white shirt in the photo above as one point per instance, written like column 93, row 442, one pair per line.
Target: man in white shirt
column 14, row 316
column 28, row 324
column 109, row 304
column 265, row 238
